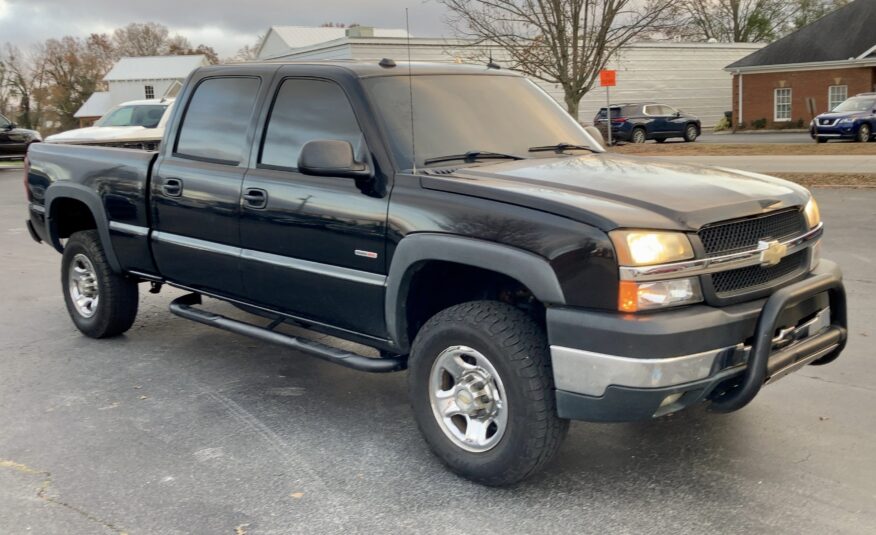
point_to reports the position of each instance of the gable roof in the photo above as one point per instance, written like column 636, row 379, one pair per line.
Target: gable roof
column 155, row 68
column 303, row 36
column 842, row 35
column 97, row 104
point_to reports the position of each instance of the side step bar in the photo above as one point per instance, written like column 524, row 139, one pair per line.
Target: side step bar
column 184, row 307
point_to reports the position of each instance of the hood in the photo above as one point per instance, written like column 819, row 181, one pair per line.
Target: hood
column 610, row 191
column 106, row 133
column 839, row 115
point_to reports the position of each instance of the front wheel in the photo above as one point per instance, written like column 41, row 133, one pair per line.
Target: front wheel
column 864, row 133
column 101, row 303
column 691, row 133
column 482, row 392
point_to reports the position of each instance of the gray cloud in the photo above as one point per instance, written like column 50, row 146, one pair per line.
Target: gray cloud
column 225, row 25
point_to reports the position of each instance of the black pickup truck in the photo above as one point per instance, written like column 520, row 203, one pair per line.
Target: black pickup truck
column 458, row 221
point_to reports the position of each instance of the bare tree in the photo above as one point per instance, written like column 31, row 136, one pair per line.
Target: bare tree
column 748, row 21
column 24, row 79
column 135, row 40
column 812, row 10
column 181, row 46
column 247, row 52
column 564, row 42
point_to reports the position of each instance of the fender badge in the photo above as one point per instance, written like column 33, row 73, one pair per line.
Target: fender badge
column 771, row 253
column 366, row 254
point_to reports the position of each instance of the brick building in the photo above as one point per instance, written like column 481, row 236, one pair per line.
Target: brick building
column 822, row 64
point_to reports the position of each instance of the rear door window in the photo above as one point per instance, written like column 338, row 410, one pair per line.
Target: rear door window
column 307, row 110
column 217, row 119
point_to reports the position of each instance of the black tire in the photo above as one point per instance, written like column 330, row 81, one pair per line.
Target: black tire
column 118, row 296
column 517, row 348
column 821, row 140
column 691, row 133
column 639, row 135
column 864, row 133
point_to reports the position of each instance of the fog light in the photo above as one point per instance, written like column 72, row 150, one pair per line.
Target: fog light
column 634, row 297
column 670, row 399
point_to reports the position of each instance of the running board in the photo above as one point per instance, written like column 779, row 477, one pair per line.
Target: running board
column 184, row 307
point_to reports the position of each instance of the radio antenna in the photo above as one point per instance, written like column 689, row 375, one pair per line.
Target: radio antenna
column 411, row 91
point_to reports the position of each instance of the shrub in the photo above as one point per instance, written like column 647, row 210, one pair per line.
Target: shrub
column 723, row 124
column 759, row 124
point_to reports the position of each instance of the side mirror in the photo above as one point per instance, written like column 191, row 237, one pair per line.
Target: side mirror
column 325, row 157
column 11, row 126
column 678, row 114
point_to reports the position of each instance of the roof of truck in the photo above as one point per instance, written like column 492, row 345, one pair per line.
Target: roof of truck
column 365, row 69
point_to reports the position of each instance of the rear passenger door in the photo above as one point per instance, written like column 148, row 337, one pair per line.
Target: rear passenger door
column 195, row 190
column 314, row 246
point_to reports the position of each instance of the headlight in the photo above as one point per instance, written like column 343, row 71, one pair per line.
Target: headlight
column 645, row 247
column 813, row 216
column 637, row 296
column 847, row 120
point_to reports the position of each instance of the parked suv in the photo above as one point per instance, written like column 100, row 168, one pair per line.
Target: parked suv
column 854, row 119
column 13, row 140
column 637, row 123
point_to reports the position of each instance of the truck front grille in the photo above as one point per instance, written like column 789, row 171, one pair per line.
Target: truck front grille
column 743, row 235
column 753, row 278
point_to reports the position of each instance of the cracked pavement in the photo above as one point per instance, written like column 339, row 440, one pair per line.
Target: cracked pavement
column 177, row 428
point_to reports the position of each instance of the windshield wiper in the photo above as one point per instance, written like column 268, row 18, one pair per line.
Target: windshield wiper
column 561, row 147
column 472, row 156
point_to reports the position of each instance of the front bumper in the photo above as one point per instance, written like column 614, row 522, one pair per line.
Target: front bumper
column 838, row 131
column 615, row 367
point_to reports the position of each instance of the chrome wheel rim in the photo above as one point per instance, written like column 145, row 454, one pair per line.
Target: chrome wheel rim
column 864, row 134
column 83, row 287
column 638, row 136
column 468, row 399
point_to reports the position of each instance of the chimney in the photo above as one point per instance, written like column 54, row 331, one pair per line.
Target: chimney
column 360, row 31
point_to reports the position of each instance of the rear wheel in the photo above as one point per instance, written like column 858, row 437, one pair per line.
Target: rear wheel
column 481, row 387
column 639, row 136
column 101, row 303
column 864, row 133
column 821, row 140
column 691, row 133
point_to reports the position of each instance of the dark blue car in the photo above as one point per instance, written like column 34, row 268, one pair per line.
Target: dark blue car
column 639, row 122
column 853, row 119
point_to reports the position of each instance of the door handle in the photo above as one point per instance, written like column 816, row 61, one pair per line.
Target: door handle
column 172, row 187
column 255, row 198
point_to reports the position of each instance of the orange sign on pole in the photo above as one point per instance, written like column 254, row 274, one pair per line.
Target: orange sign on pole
column 607, row 78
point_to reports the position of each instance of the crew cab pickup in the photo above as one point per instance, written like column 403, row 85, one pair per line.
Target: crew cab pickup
column 461, row 223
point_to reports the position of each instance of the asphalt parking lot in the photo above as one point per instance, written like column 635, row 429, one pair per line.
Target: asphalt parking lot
column 177, row 428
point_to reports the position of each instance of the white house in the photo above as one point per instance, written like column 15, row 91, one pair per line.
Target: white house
column 280, row 40
column 141, row 78
column 688, row 76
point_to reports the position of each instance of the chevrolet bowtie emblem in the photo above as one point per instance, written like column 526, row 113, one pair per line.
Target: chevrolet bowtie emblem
column 771, row 252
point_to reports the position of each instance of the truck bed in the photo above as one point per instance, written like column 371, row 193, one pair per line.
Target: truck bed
column 112, row 183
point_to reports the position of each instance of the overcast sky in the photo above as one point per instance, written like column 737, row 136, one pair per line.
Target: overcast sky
column 226, row 25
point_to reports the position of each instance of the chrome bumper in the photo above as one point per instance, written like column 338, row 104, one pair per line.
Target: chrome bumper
column 589, row 373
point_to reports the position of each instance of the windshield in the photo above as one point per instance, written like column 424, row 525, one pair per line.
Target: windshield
column 857, row 104
column 457, row 114
column 147, row 116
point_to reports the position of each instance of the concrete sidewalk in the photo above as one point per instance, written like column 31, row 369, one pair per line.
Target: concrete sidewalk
column 783, row 164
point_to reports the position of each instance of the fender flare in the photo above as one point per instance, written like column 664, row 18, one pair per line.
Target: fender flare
column 87, row 196
column 531, row 270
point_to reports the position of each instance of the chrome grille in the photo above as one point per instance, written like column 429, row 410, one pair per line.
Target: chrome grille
column 742, row 235
column 753, row 278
